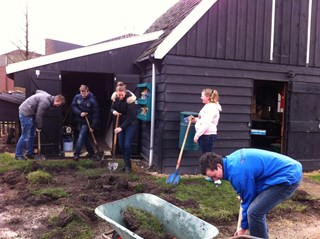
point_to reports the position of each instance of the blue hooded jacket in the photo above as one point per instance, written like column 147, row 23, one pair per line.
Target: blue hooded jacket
column 251, row 171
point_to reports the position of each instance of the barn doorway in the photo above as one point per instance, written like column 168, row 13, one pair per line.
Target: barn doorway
column 102, row 86
column 267, row 125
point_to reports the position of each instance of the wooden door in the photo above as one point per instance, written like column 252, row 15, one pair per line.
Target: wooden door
column 303, row 123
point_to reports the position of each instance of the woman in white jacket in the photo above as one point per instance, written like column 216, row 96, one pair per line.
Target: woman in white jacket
column 207, row 120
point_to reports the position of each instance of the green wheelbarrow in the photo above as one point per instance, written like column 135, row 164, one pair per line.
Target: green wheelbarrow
column 177, row 222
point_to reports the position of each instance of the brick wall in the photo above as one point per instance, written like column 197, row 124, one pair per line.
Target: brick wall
column 6, row 84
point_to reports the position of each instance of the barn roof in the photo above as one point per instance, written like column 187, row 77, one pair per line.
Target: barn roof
column 15, row 98
column 84, row 51
column 175, row 23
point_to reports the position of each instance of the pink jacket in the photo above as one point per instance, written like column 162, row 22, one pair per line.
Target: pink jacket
column 208, row 119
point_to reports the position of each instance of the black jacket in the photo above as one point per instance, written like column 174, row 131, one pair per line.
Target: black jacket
column 127, row 109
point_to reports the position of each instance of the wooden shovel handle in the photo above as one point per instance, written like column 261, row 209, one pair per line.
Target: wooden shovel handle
column 39, row 142
column 115, row 137
column 183, row 144
column 89, row 127
column 239, row 217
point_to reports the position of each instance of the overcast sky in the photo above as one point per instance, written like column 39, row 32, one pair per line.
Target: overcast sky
column 82, row 22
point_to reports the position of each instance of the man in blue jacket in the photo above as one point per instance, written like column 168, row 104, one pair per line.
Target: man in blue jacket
column 261, row 178
column 85, row 105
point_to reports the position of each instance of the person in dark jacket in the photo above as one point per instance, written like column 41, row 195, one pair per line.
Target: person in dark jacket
column 261, row 178
column 85, row 105
column 123, row 105
column 31, row 112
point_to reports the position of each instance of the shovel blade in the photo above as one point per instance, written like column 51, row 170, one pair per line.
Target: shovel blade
column 39, row 157
column 173, row 178
column 112, row 166
column 99, row 156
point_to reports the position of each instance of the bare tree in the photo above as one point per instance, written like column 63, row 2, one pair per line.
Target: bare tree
column 24, row 52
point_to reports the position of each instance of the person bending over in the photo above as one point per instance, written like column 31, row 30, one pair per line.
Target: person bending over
column 261, row 178
column 31, row 112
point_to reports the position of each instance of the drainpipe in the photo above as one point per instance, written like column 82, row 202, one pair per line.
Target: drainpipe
column 153, row 110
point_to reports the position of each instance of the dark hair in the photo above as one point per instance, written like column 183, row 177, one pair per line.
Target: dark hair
column 209, row 160
column 121, row 86
column 83, row 87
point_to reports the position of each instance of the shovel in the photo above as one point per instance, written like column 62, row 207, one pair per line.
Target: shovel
column 39, row 156
column 113, row 165
column 239, row 216
column 99, row 154
column 175, row 178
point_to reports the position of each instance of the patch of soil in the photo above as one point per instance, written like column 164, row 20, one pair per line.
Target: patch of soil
column 24, row 215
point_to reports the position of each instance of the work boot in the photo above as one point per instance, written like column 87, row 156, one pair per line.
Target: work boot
column 128, row 167
column 75, row 157
column 127, row 170
column 30, row 156
column 20, row 158
column 90, row 155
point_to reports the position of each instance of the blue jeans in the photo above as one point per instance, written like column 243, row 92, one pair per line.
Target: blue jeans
column 28, row 135
column 125, row 140
column 206, row 142
column 263, row 203
column 83, row 139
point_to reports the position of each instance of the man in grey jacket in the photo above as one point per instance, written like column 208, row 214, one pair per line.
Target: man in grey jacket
column 31, row 112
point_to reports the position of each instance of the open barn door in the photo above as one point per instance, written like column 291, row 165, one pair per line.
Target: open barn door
column 51, row 131
column 303, row 119
column 267, row 115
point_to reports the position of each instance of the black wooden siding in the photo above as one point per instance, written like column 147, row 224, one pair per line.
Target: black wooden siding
column 241, row 30
column 315, row 35
column 9, row 111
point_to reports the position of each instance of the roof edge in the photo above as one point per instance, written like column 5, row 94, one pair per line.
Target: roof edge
column 185, row 25
column 84, row 51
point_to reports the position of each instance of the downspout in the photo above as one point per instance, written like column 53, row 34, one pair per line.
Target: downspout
column 309, row 33
column 153, row 110
column 272, row 29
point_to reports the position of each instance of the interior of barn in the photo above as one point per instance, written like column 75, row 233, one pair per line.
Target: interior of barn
column 268, row 115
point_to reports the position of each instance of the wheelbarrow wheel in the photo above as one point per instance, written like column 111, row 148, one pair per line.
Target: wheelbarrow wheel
column 115, row 235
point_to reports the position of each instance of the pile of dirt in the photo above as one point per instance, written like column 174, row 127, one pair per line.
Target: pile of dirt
column 144, row 224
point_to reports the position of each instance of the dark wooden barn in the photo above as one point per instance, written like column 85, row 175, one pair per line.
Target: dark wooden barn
column 262, row 57
column 98, row 66
column 9, row 115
